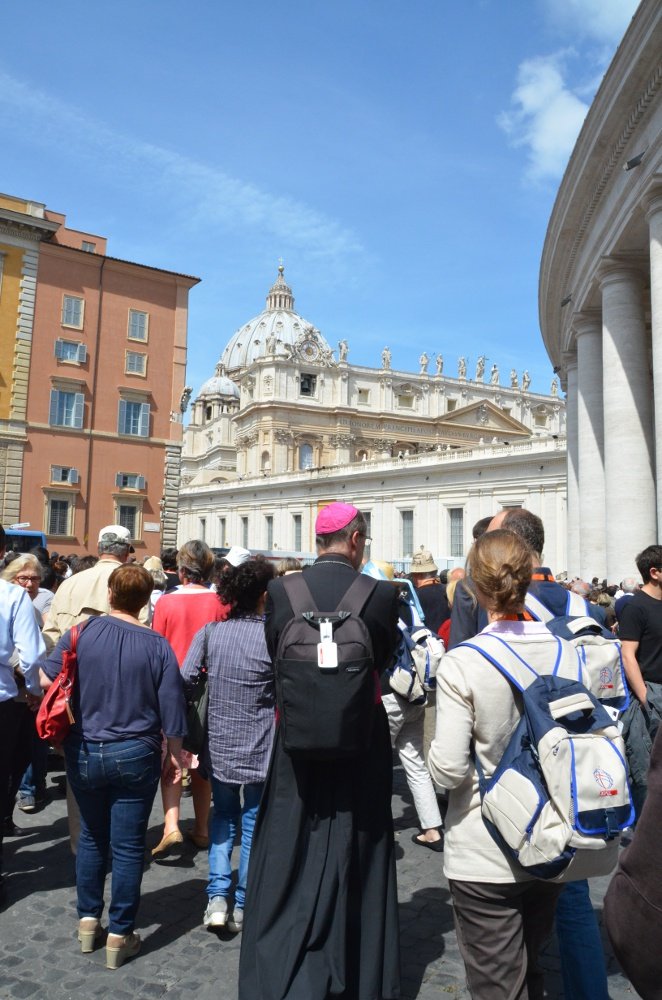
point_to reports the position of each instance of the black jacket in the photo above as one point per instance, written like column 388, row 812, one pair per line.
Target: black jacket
column 329, row 578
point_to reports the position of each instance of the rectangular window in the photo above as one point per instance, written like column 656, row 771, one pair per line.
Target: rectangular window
column 307, row 384
column 64, row 474
column 540, row 419
column 128, row 517
column 58, row 517
column 407, row 533
column 364, row 396
column 405, row 401
column 296, row 524
column 451, row 404
column 368, row 523
column 244, row 532
column 221, row 531
column 72, row 311
column 88, row 247
column 269, row 525
column 129, row 481
column 203, row 529
column 456, row 518
column 66, row 409
column 135, row 363
column 133, row 418
column 70, row 350
column 138, row 325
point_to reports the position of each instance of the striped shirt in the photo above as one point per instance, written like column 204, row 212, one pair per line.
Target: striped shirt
column 242, row 698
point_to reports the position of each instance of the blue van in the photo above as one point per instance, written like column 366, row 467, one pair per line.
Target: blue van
column 22, row 541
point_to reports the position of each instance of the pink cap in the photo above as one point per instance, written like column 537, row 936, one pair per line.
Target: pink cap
column 334, row 517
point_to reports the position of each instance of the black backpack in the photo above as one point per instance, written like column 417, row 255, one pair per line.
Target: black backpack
column 326, row 712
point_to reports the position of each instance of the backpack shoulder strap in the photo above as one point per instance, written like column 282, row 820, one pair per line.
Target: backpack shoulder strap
column 576, row 606
column 298, row 593
column 537, row 609
column 507, row 661
column 356, row 597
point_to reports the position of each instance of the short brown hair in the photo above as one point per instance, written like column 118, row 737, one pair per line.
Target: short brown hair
column 499, row 563
column 130, row 588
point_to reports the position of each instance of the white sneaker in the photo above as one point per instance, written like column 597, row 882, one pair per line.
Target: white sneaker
column 216, row 913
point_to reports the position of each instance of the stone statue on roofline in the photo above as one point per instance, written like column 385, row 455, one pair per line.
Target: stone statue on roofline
column 423, row 362
column 554, row 388
column 494, row 375
column 514, row 381
column 526, row 381
column 343, row 350
column 386, row 358
column 439, row 364
column 480, row 368
column 462, row 367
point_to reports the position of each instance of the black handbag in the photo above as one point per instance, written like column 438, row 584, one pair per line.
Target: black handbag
column 197, row 705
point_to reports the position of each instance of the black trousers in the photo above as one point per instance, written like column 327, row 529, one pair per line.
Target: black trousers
column 16, row 727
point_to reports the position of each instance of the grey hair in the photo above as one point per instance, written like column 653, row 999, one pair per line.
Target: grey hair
column 16, row 566
column 630, row 585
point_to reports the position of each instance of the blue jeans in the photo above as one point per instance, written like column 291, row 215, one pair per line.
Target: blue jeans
column 114, row 785
column 227, row 809
column 33, row 781
column 580, row 946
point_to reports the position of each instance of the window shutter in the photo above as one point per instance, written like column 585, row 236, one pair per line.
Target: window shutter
column 73, row 475
column 140, row 484
column 122, row 417
column 79, row 409
column 52, row 416
column 82, row 353
column 144, row 420
column 58, row 348
column 118, row 479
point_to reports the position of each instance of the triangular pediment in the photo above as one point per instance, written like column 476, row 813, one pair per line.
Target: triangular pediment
column 483, row 418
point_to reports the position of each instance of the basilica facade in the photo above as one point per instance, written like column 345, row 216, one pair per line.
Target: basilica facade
column 287, row 423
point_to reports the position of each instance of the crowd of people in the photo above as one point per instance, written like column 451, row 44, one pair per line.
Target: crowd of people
column 315, row 893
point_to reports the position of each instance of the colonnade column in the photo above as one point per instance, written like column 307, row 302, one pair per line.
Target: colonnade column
column 590, row 452
column 654, row 219
column 573, row 531
column 628, row 419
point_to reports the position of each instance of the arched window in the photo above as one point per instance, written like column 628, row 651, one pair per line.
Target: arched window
column 305, row 456
column 265, row 462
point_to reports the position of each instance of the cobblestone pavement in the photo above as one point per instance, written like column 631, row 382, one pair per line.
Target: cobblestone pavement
column 181, row 960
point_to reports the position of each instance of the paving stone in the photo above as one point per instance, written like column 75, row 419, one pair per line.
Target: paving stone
column 181, row 959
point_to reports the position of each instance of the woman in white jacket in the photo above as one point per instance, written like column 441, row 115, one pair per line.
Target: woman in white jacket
column 502, row 917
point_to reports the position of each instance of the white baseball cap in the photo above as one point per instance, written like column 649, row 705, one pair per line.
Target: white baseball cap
column 120, row 533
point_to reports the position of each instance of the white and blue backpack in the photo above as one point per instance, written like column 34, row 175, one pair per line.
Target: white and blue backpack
column 559, row 797
column 597, row 649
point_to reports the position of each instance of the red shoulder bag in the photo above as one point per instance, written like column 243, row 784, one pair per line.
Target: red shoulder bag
column 55, row 717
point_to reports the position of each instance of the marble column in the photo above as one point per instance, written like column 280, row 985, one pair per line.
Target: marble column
column 654, row 219
column 628, row 418
column 573, row 535
column 590, row 452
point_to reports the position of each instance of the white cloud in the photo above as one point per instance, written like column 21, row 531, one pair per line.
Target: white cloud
column 200, row 193
column 603, row 21
column 546, row 117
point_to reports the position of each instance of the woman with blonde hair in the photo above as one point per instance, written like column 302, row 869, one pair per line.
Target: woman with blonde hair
column 502, row 915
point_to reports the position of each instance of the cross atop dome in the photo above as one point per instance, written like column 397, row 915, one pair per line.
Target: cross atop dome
column 280, row 294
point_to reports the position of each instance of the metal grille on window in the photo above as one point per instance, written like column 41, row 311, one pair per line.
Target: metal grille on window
column 407, row 524
column 128, row 517
column 58, row 517
column 456, row 515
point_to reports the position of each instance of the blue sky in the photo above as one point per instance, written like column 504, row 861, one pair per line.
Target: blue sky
column 402, row 159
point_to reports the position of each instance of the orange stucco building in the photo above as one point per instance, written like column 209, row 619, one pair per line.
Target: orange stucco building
column 106, row 381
